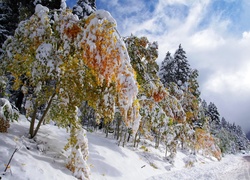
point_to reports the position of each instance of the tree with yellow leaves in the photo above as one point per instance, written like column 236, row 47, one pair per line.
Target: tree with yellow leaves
column 66, row 61
column 143, row 56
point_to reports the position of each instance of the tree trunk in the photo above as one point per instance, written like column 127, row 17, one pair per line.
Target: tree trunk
column 106, row 129
column 19, row 101
column 135, row 139
column 118, row 128
column 42, row 118
column 32, row 122
column 157, row 141
column 119, row 142
column 129, row 135
column 125, row 136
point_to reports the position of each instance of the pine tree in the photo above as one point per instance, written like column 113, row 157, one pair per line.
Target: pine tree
column 181, row 66
column 51, row 4
column 84, row 8
column 8, row 20
column 214, row 115
column 193, row 84
column 224, row 123
column 166, row 73
column 175, row 69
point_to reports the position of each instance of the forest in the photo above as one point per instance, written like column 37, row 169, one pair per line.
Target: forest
column 72, row 67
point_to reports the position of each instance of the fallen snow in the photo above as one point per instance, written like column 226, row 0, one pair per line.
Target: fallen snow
column 39, row 159
column 44, row 158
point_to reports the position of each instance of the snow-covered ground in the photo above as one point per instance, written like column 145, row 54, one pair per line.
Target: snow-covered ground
column 44, row 159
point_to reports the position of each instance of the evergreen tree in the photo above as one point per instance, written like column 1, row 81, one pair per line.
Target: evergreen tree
column 204, row 107
column 193, row 84
column 239, row 131
column 181, row 69
column 166, row 70
column 202, row 115
column 51, row 4
column 224, row 123
column 14, row 11
column 233, row 128
column 8, row 20
column 175, row 69
column 84, row 8
column 214, row 114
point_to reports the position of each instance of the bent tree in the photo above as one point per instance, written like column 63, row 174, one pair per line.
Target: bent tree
column 60, row 61
column 66, row 61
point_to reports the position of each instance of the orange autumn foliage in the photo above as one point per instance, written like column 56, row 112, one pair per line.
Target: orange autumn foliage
column 104, row 56
column 206, row 143
column 72, row 32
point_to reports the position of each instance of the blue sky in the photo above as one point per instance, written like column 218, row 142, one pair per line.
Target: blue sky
column 215, row 35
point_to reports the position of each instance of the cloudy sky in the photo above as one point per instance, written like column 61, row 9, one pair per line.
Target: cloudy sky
column 215, row 35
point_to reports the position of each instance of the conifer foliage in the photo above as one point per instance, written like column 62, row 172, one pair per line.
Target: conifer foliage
column 175, row 69
column 84, row 8
column 213, row 114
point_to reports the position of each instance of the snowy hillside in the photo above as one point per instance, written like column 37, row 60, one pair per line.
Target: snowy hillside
column 44, row 158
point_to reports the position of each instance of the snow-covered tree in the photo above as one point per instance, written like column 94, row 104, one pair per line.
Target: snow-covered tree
column 84, row 8
column 166, row 73
column 214, row 116
column 67, row 61
column 175, row 69
column 8, row 22
column 202, row 115
column 224, row 123
column 206, row 144
column 143, row 55
column 181, row 67
column 72, row 64
column 4, row 13
column 7, row 114
column 51, row 4
column 78, row 149
column 18, row 11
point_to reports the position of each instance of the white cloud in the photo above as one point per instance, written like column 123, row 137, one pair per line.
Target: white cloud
column 246, row 35
column 206, row 40
column 226, row 82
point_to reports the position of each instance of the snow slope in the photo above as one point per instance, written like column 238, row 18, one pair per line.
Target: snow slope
column 39, row 159
column 43, row 158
